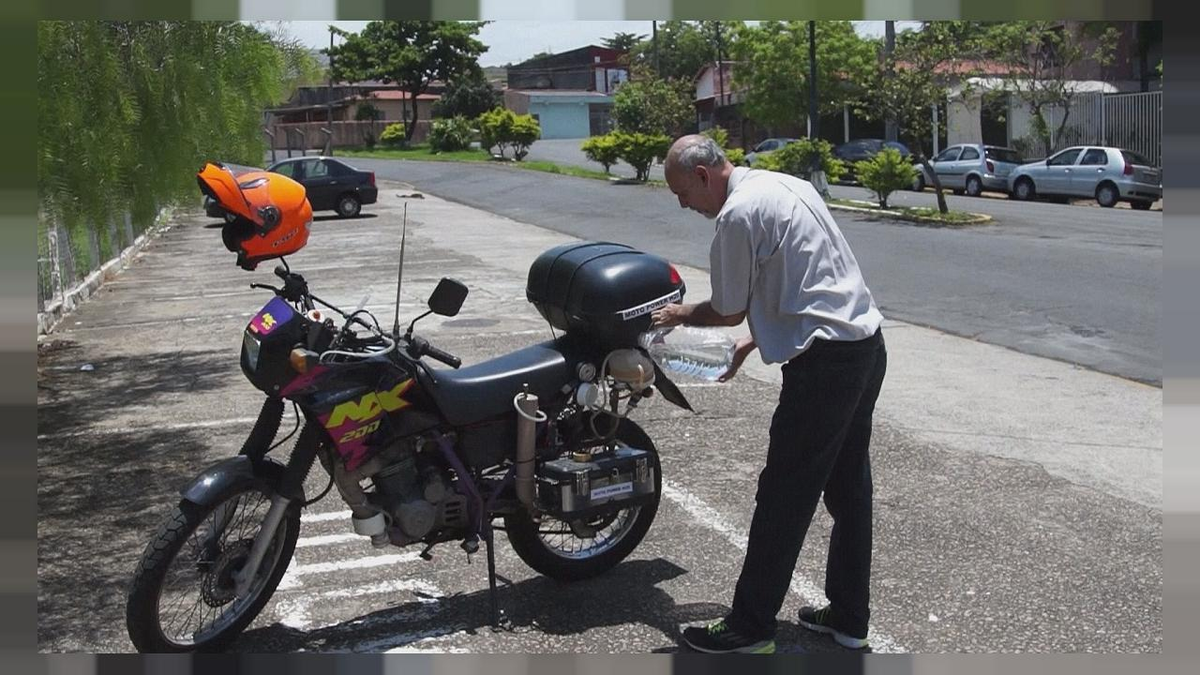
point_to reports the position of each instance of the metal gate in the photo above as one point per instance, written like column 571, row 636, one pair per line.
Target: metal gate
column 1129, row 121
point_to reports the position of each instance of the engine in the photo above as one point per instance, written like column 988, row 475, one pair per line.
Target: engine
column 412, row 495
column 418, row 496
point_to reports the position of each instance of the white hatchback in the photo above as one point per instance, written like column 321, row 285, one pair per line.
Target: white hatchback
column 1109, row 175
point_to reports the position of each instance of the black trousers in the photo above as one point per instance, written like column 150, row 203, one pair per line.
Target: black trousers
column 820, row 435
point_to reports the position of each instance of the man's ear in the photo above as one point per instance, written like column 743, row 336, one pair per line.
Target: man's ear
column 702, row 174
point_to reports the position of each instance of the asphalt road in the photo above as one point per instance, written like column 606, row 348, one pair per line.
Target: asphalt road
column 1073, row 283
column 976, row 551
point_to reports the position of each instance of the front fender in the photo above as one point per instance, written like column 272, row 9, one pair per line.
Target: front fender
column 215, row 482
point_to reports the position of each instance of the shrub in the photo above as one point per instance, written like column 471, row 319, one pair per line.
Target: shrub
column 499, row 128
column 393, row 135
column 885, row 173
column 719, row 135
column 602, row 149
column 495, row 126
column 524, row 131
column 369, row 140
column 448, row 135
column 736, row 156
column 640, row 150
column 796, row 158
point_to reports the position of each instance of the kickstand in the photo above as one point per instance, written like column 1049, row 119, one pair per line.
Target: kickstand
column 491, row 557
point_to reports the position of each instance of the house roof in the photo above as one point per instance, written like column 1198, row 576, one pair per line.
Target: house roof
column 397, row 95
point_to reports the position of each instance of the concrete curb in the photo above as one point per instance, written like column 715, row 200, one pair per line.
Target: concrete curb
column 54, row 313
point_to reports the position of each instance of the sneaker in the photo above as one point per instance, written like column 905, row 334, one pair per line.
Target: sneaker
column 823, row 621
column 719, row 638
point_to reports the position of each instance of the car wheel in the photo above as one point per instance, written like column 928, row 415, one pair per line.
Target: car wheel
column 348, row 206
column 919, row 183
column 974, row 186
column 1024, row 190
column 1141, row 205
column 1107, row 195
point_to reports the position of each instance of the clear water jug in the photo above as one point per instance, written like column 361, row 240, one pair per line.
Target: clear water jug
column 701, row 353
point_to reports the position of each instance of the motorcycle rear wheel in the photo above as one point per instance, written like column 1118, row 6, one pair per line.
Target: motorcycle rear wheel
column 185, row 574
column 576, row 551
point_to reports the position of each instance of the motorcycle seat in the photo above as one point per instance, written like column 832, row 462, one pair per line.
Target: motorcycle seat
column 485, row 390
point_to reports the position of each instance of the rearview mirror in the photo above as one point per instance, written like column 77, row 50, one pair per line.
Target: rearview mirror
column 448, row 297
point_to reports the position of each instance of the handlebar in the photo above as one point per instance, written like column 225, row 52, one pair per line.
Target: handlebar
column 419, row 346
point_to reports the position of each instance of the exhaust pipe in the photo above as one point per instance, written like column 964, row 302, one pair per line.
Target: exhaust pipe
column 528, row 417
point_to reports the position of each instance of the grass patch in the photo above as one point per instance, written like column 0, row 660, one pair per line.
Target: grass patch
column 421, row 153
column 917, row 214
column 418, row 152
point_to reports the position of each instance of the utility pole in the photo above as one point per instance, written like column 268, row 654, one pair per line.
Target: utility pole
column 816, row 174
column 329, row 95
column 654, row 39
column 720, row 77
column 889, row 47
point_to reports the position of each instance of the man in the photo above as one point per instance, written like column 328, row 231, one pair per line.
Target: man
column 779, row 261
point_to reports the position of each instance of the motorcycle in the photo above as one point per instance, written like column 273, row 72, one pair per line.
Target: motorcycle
column 540, row 439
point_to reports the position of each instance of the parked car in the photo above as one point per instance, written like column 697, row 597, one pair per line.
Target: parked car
column 863, row 149
column 767, row 146
column 332, row 184
column 1110, row 175
column 971, row 168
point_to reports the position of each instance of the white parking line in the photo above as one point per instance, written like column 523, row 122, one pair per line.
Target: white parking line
column 352, row 564
column 324, row 516
column 102, row 431
column 326, row 540
column 802, row 587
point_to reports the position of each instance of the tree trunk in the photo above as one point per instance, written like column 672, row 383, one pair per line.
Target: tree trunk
column 937, row 185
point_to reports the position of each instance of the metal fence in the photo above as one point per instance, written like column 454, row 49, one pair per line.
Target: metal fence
column 1129, row 121
column 67, row 255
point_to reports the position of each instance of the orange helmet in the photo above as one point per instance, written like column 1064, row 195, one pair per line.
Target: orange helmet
column 269, row 213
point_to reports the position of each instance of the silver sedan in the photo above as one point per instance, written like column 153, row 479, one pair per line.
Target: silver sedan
column 1110, row 175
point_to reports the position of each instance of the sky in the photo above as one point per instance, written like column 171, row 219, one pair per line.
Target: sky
column 515, row 41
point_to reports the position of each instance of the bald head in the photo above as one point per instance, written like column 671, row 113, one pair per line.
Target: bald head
column 691, row 151
column 698, row 174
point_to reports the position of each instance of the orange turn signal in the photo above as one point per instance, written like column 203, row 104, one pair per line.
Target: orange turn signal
column 301, row 359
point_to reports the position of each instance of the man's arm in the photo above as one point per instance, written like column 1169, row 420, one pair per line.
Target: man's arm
column 700, row 314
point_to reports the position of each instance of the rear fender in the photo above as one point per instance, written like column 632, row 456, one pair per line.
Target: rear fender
column 215, row 482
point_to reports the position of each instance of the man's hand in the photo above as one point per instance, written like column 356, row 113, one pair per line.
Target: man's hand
column 671, row 315
column 741, row 350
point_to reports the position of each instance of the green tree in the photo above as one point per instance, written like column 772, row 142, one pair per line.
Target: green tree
column 1038, row 59
column 683, row 49
column 907, row 86
column 623, row 42
column 409, row 53
column 127, row 113
column 653, row 105
column 469, row 96
column 773, row 68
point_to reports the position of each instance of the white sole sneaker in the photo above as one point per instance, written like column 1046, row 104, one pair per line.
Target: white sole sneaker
column 838, row 636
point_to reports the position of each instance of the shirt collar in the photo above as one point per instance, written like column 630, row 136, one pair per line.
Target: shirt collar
column 736, row 177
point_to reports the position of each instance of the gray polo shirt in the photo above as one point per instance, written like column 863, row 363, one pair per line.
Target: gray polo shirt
column 779, row 256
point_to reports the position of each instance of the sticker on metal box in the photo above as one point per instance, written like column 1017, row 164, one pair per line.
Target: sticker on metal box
column 635, row 312
column 612, row 491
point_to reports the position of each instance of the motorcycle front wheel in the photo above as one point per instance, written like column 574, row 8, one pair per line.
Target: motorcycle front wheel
column 182, row 598
column 577, row 550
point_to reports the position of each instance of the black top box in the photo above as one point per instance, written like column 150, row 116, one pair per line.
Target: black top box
column 601, row 291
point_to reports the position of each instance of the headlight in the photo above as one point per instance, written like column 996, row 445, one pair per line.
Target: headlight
column 250, row 346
